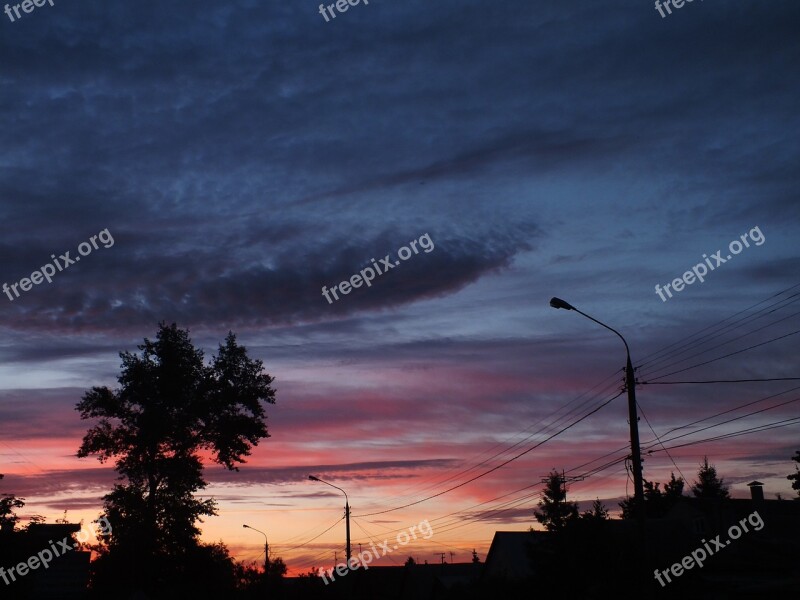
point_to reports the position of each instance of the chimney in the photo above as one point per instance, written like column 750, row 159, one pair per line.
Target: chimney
column 756, row 491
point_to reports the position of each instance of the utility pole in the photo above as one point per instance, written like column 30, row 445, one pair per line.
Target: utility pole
column 636, row 453
column 451, row 558
column 347, row 527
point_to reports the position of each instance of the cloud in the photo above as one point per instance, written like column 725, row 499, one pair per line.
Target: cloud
column 254, row 293
column 351, row 471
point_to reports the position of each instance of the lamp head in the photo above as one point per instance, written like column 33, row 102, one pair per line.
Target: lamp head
column 559, row 303
column 312, row 478
column 246, row 526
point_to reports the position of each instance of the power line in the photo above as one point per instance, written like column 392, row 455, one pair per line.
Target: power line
column 290, row 540
column 733, row 419
column 510, row 505
column 764, row 427
column 720, row 381
column 542, row 429
column 756, row 429
column 306, row 543
column 704, row 340
column 495, row 468
column 725, row 343
column 698, row 421
column 373, row 540
column 659, row 440
column 728, row 355
column 687, row 341
column 735, row 408
column 515, row 502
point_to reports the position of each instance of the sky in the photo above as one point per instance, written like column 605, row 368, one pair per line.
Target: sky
column 235, row 159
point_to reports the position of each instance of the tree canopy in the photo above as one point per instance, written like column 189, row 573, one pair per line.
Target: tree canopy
column 8, row 504
column 598, row 512
column 795, row 477
column 708, row 484
column 554, row 510
column 170, row 411
column 657, row 503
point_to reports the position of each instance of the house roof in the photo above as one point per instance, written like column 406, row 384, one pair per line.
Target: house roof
column 508, row 556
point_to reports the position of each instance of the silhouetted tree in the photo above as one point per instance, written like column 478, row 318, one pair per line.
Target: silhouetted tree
column 554, row 510
column 475, row 558
column 309, row 585
column 276, row 570
column 410, row 562
column 579, row 545
column 169, row 407
column 673, row 489
column 795, row 478
column 708, row 485
column 657, row 503
column 598, row 512
column 8, row 503
column 35, row 520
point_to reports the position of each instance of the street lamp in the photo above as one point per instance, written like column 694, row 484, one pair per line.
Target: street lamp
column 633, row 418
column 266, row 548
column 346, row 513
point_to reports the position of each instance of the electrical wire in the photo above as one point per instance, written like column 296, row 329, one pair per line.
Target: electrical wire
column 495, row 468
column 315, row 537
column 730, row 420
column 641, row 410
column 725, row 343
column 756, row 429
column 689, row 341
column 728, row 355
column 730, row 410
column 541, row 430
column 720, row 381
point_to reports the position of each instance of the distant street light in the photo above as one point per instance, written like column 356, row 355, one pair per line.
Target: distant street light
column 266, row 548
column 346, row 513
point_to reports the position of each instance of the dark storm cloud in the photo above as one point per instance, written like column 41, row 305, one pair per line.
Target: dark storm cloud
column 206, row 287
column 177, row 124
